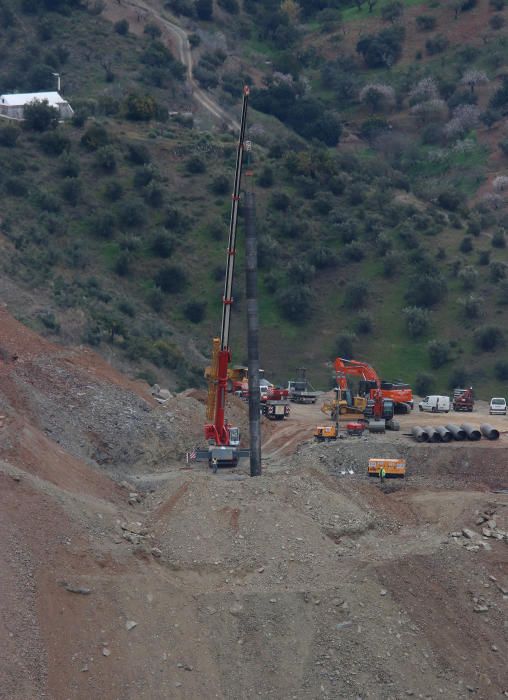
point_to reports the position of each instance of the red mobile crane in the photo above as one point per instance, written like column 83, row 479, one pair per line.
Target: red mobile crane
column 224, row 439
column 372, row 386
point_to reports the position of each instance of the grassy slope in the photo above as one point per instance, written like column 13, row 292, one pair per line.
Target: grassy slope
column 285, row 345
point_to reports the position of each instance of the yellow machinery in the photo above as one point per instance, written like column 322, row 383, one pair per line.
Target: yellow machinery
column 324, row 433
column 392, row 467
column 340, row 407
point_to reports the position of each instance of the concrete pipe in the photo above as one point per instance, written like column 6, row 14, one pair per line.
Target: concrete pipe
column 472, row 433
column 419, row 434
column 489, row 431
column 433, row 434
column 376, row 426
column 458, row 433
column 444, row 433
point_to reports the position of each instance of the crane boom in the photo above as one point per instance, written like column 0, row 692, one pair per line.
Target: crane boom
column 219, row 432
column 230, row 261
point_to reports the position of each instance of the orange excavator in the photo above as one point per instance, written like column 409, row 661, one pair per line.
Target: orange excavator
column 371, row 386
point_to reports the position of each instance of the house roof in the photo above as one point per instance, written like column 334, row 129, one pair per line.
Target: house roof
column 18, row 100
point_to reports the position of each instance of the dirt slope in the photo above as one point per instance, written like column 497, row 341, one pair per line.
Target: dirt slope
column 308, row 582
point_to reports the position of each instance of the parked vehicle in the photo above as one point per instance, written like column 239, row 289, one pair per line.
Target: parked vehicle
column 463, row 399
column 497, row 406
column 435, row 404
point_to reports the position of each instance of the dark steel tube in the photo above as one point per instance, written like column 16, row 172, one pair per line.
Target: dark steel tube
column 458, row 433
column 444, row 433
column 251, row 293
column 472, row 433
column 419, row 434
column 433, row 433
column 489, row 431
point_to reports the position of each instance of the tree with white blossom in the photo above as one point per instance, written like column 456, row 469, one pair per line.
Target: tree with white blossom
column 473, row 77
column 423, row 91
column 377, row 96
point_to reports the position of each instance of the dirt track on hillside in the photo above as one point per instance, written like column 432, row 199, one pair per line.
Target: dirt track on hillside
column 309, row 582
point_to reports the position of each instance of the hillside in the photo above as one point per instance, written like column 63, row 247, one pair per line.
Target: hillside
column 379, row 159
column 127, row 573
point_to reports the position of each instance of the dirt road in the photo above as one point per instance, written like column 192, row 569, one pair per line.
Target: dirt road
column 177, row 37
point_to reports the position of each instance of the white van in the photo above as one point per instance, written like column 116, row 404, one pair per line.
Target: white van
column 497, row 405
column 436, row 404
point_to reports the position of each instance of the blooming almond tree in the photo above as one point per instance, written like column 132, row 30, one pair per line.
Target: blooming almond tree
column 473, row 77
column 500, row 183
column 377, row 96
column 423, row 91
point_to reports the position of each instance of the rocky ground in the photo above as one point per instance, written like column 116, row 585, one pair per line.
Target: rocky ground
column 128, row 574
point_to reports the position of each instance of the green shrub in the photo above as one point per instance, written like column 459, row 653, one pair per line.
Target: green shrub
column 356, row 295
column 496, row 22
column 171, row 279
column 436, row 44
column 265, row 177
column 424, row 383
column 68, row 166
column 280, row 201
column 95, row 137
column 295, row 302
column 194, row 311
column 153, row 195
column 458, row 377
column 9, row 135
column 354, row 251
column 153, row 30
column 470, row 306
column 417, row 321
column 155, row 299
column 195, row 165
column 497, row 5
column 344, row 344
column 499, row 239
column 102, row 224
column 113, row 191
column 426, row 290
column 140, row 107
column 121, row 27
column 162, row 244
column 122, row 264
column 488, row 338
column 426, row 23
column 71, row 190
column 131, row 213
column 483, row 257
column 105, row 159
column 46, row 201
column 138, row 154
column 468, row 277
column 466, row 245
column 364, row 324
column 439, row 353
column 501, row 370
column 16, row 187
column 220, row 184
column 38, row 115
column 127, row 308
column 497, row 271
column 450, row 199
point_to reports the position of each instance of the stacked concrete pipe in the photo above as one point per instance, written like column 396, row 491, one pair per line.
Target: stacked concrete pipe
column 472, row 433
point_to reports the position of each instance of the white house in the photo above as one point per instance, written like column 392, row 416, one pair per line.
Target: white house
column 12, row 106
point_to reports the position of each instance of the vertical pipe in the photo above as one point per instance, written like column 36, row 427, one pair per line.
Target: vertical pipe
column 251, row 273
